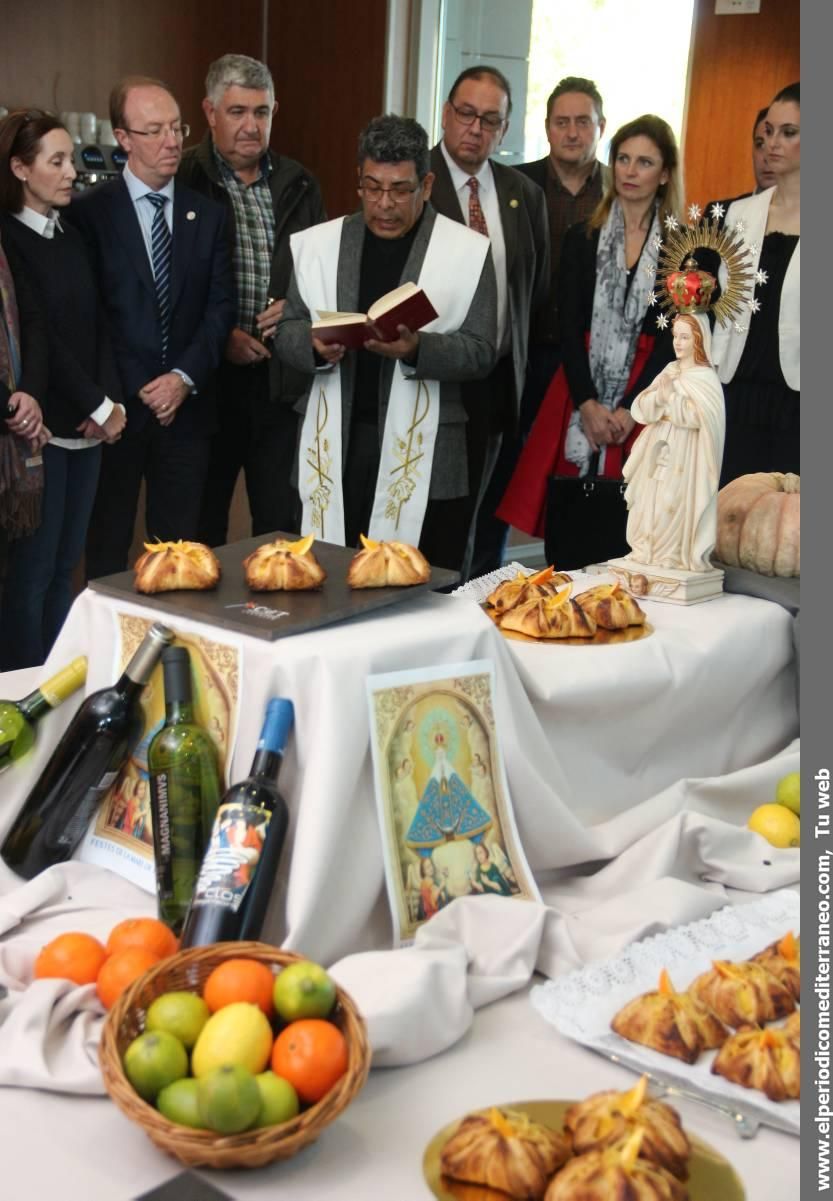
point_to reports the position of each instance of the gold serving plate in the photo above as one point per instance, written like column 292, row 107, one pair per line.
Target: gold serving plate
column 711, row 1177
column 600, row 638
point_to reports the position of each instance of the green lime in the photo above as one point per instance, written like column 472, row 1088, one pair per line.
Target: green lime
column 182, row 1014
column 179, row 1103
column 229, row 1099
column 278, row 1100
column 788, row 792
column 304, row 990
column 154, row 1060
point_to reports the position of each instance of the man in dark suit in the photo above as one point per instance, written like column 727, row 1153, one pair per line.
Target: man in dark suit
column 511, row 211
column 383, row 443
column 267, row 197
column 161, row 256
column 573, row 181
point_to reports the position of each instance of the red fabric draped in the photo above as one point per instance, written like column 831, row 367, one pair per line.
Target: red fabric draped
column 525, row 500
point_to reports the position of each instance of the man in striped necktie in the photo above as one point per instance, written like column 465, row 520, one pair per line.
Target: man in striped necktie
column 162, row 257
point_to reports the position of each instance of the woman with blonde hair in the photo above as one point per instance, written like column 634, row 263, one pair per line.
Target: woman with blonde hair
column 609, row 340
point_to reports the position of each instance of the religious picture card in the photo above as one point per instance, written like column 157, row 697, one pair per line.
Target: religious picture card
column 447, row 824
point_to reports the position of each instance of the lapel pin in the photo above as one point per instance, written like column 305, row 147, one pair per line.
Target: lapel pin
column 513, row 204
column 191, row 215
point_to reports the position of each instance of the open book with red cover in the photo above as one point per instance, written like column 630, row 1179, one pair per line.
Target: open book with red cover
column 406, row 305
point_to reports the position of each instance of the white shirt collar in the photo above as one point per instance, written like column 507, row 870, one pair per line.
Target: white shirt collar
column 460, row 178
column 45, row 226
column 138, row 189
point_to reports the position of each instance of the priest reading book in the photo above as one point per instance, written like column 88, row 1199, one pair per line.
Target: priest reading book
column 406, row 305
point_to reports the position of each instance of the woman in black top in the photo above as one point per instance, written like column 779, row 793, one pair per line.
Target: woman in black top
column 759, row 356
column 610, row 344
column 79, row 405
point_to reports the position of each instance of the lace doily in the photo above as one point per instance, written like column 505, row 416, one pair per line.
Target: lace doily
column 582, row 1004
column 478, row 589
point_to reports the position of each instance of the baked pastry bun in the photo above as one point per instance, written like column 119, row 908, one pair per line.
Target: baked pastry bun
column 742, row 994
column 615, row 1174
column 608, row 1119
column 670, row 1022
column 764, row 1059
column 283, row 566
column 783, row 960
column 504, row 1150
column 550, row 617
column 611, row 607
column 792, row 1027
column 167, row 566
column 526, row 587
column 387, row 565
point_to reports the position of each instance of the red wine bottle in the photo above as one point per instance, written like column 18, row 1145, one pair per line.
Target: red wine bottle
column 241, row 861
column 83, row 767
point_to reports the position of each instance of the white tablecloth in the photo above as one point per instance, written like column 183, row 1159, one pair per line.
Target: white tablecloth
column 587, row 733
column 84, row 1149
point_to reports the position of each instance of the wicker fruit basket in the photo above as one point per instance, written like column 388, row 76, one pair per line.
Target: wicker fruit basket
column 203, row 1148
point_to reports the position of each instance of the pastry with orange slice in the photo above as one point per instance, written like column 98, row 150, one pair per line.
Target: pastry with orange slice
column 550, row 617
column 387, row 565
column 608, row 1119
column 616, row 1174
column 284, row 566
column 764, row 1059
column 526, row 587
column 503, row 1149
column 168, row 566
column 611, row 607
column 671, row 1022
column 742, row 994
column 783, row 959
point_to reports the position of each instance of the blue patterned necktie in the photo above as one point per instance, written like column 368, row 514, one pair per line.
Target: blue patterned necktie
column 160, row 253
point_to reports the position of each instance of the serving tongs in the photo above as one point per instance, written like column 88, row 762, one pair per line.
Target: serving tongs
column 746, row 1125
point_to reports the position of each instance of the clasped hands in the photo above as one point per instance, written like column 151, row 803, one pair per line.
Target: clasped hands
column 164, row 395
column 603, row 427
column 404, row 347
column 243, row 349
column 27, row 420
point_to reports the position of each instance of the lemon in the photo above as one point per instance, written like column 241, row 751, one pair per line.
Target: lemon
column 236, row 1034
column 182, row 1014
column 229, row 1099
column 788, row 792
column 777, row 824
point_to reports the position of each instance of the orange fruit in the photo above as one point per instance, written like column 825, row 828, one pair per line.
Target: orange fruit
column 72, row 956
column 312, row 1055
column 146, row 932
column 121, row 969
column 240, row 980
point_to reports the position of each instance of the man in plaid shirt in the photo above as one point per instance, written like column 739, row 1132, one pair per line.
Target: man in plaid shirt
column 267, row 197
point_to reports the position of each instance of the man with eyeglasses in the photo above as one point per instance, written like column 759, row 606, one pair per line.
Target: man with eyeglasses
column 494, row 200
column 267, row 197
column 383, row 445
column 573, row 182
column 161, row 256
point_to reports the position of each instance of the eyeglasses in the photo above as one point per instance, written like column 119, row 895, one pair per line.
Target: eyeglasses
column 398, row 192
column 161, row 131
column 488, row 121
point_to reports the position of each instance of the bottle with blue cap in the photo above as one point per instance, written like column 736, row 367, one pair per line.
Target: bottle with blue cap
column 241, row 861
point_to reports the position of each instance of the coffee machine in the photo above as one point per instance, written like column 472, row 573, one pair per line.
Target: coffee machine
column 95, row 162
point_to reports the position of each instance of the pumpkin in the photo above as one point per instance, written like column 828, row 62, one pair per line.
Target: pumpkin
column 759, row 523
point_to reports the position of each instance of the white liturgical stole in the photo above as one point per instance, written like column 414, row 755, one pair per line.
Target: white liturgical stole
column 449, row 277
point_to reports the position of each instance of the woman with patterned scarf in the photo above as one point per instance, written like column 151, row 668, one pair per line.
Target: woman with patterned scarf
column 611, row 348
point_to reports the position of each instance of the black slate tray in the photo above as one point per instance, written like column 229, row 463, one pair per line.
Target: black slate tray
column 271, row 615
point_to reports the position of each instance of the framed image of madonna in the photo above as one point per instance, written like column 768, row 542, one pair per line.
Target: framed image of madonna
column 446, row 820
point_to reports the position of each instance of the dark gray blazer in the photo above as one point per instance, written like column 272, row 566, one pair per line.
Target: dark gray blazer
column 523, row 216
column 468, row 353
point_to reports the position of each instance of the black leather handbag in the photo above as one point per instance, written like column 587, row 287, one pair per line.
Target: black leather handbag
column 585, row 520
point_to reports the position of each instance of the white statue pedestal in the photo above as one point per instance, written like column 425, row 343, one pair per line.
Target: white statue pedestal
column 669, row 584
